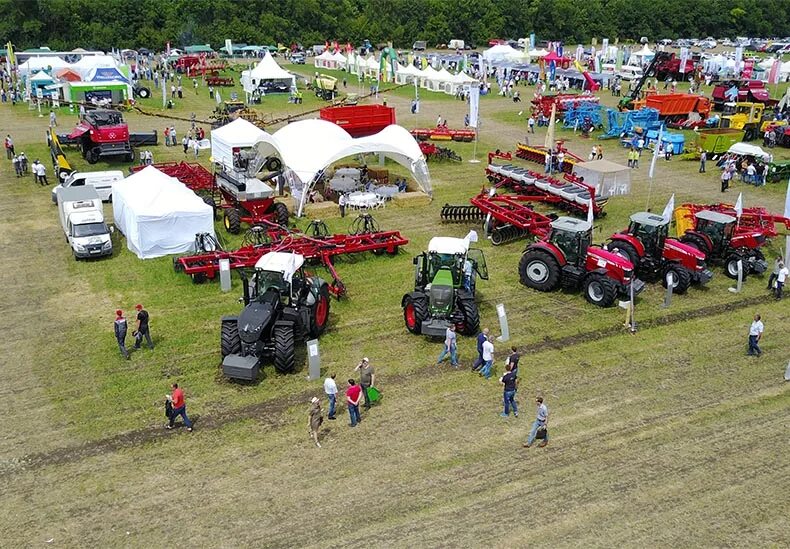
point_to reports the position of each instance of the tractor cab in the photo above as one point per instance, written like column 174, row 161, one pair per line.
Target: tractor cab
column 282, row 273
column 718, row 227
column 572, row 237
column 651, row 230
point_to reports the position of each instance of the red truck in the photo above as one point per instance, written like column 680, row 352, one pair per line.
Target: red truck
column 749, row 91
column 670, row 67
column 360, row 120
column 101, row 133
column 677, row 106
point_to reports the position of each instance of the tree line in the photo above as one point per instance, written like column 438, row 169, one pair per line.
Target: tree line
column 104, row 24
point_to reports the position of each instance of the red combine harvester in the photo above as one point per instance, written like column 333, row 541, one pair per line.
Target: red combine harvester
column 318, row 246
column 563, row 101
column 749, row 91
column 677, row 106
column 443, row 134
column 360, row 120
column 102, row 133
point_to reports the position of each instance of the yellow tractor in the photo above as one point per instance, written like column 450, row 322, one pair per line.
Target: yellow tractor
column 743, row 116
column 325, row 86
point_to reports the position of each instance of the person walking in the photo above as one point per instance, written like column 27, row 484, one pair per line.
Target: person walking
column 23, row 163
column 179, row 408
column 726, row 175
column 513, row 358
column 180, row 92
column 42, row 174
column 481, row 338
column 196, row 147
column 53, row 120
column 17, row 166
column 755, row 334
column 703, row 157
column 510, row 382
column 775, row 273
column 367, row 379
column 781, row 277
column 531, row 124
column 173, row 138
column 541, row 422
column 185, row 143
column 450, row 347
column 9, row 147
column 330, row 388
column 142, row 328
column 341, row 202
column 120, row 326
column 488, row 357
column 353, row 394
column 314, row 419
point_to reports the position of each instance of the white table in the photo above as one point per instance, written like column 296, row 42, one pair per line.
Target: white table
column 361, row 199
column 386, row 191
column 343, row 184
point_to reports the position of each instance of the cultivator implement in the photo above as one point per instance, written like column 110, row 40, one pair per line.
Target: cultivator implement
column 461, row 214
column 191, row 174
column 271, row 237
column 432, row 152
column 752, row 219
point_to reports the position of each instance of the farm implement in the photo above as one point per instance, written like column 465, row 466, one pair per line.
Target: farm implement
column 443, row 134
column 316, row 246
column 432, row 152
column 538, row 155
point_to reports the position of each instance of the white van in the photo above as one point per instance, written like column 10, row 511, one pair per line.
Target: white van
column 101, row 181
column 630, row 72
column 456, row 44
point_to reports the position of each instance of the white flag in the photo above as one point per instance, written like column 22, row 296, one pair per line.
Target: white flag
column 739, row 206
column 655, row 153
column 669, row 208
column 787, row 200
column 474, row 105
column 590, row 213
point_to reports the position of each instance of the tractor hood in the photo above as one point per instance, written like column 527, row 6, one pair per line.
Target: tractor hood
column 604, row 256
column 256, row 316
column 684, row 249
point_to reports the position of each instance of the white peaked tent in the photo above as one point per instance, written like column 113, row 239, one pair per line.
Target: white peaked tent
column 340, row 60
column 325, row 61
column 267, row 70
column 461, row 80
column 537, row 53
column 239, row 134
column 308, row 147
column 158, row 214
column 89, row 63
column 407, row 74
column 644, row 55
column 501, row 52
column 35, row 64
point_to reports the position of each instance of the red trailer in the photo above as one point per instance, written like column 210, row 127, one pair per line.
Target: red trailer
column 360, row 120
column 678, row 105
column 749, row 91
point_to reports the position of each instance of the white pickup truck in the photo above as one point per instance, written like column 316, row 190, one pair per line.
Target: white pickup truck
column 82, row 219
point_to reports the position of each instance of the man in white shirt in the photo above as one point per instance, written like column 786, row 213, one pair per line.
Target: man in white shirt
column 755, row 334
column 42, row 174
column 488, row 357
column 450, row 347
column 330, row 388
column 781, row 276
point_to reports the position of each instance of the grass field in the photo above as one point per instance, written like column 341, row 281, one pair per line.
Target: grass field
column 669, row 437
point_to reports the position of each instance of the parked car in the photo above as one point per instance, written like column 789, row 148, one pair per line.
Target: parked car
column 298, row 59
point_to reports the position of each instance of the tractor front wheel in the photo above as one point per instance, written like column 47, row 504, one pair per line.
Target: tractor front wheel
column 414, row 312
column 284, row 349
column 600, row 290
column 626, row 251
column 232, row 220
column 731, row 266
column 229, row 340
column 681, row 278
column 539, row 270
column 471, row 323
column 320, row 313
column 281, row 214
column 93, row 155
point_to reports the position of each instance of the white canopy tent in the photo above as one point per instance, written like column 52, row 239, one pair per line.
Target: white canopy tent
column 644, row 55
column 340, row 60
column 89, row 63
column 158, row 214
column 308, row 147
column 745, row 149
column 325, row 61
column 35, row 64
column 239, row 134
column 608, row 178
column 501, row 52
column 537, row 53
column 267, row 70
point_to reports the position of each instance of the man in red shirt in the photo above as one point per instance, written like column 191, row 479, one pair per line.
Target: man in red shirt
column 353, row 394
column 179, row 408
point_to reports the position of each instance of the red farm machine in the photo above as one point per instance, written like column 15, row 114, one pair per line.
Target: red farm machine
column 434, row 152
column 542, row 104
column 741, row 91
column 101, row 133
column 442, row 133
column 360, row 120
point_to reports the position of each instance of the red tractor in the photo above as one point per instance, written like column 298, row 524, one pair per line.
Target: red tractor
column 102, row 133
column 566, row 258
column 714, row 234
column 645, row 244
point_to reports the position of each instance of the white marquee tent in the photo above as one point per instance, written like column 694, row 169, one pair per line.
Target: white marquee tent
column 501, row 52
column 308, row 147
column 267, row 70
column 239, row 134
column 158, row 214
column 35, row 64
column 325, row 61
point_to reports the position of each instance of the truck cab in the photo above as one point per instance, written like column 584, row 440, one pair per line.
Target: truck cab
column 82, row 221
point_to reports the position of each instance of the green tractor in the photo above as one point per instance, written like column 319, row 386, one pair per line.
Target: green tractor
column 444, row 288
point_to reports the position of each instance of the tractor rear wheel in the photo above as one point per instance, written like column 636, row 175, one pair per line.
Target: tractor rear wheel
column 319, row 317
column 681, row 278
column 415, row 310
column 93, row 155
column 232, row 220
column 471, row 323
column 281, row 214
column 539, row 270
column 626, row 251
column 229, row 340
column 731, row 266
column 695, row 242
column 600, row 290
column 284, row 349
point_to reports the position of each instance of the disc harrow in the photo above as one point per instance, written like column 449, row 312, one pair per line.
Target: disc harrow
column 461, row 214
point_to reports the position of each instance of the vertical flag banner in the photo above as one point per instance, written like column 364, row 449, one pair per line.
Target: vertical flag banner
column 669, row 208
column 549, row 143
column 739, row 206
column 618, row 64
column 684, row 56
column 474, row 105
column 605, row 47
column 738, row 57
column 773, row 74
column 532, row 40
column 655, row 152
column 590, row 212
column 579, row 52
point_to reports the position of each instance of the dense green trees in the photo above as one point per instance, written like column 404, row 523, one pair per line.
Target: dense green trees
column 151, row 23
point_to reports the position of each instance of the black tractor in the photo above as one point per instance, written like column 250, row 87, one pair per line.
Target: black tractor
column 282, row 305
column 444, row 288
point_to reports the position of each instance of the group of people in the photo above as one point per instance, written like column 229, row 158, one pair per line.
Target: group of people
column 748, row 171
column 142, row 330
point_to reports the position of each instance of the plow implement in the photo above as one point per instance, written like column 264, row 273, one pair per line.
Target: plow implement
column 318, row 248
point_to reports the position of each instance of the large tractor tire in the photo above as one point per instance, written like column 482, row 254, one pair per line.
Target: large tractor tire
column 319, row 316
column 539, row 270
column 600, row 290
column 229, row 341
column 93, row 155
column 731, row 266
column 281, row 214
column 284, row 349
column 415, row 310
column 209, row 200
column 232, row 220
column 681, row 278
column 142, row 92
column 626, row 251
column 471, row 323
column 695, row 242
